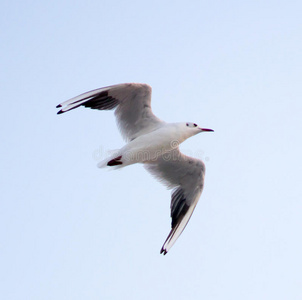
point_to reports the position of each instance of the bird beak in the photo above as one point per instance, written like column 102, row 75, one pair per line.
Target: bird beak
column 205, row 129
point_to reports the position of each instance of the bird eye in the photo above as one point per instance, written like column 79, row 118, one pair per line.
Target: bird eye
column 195, row 125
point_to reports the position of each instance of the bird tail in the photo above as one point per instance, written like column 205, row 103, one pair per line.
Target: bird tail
column 115, row 160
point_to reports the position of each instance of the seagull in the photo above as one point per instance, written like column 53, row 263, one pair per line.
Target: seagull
column 152, row 142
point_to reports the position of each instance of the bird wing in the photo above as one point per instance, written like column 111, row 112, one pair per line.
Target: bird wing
column 132, row 102
column 186, row 176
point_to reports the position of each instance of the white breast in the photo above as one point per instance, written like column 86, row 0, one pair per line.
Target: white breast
column 150, row 146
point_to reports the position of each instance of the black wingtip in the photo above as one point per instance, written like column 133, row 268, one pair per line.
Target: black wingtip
column 59, row 105
column 163, row 251
column 60, row 112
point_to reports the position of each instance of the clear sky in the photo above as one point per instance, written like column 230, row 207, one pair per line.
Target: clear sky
column 72, row 231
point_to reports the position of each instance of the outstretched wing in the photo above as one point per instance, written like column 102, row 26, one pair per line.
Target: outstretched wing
column 186, row 176
column 132, row 102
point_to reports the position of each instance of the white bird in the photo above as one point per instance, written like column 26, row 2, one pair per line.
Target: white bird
column 152, row 142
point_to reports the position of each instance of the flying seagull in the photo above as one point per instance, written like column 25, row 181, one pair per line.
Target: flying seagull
column 152, row 142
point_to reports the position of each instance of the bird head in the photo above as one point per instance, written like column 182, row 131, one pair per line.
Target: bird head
column 193, row 128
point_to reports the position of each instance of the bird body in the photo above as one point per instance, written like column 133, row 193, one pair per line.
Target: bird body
column 152, row 142
column 148, row 147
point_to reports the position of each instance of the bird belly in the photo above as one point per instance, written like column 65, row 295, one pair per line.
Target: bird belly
column 148, row 147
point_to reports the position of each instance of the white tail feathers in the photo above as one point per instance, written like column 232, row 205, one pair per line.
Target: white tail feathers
column 103, row 163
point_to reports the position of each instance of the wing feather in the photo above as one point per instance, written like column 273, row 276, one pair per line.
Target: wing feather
column 132, row 104
column 186, row 176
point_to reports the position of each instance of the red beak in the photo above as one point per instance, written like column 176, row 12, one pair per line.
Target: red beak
column 206, row 129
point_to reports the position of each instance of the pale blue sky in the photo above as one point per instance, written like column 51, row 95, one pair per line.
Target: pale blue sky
column 72, row 231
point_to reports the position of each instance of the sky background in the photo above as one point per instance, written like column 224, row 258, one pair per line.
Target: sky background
column 72, row 231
